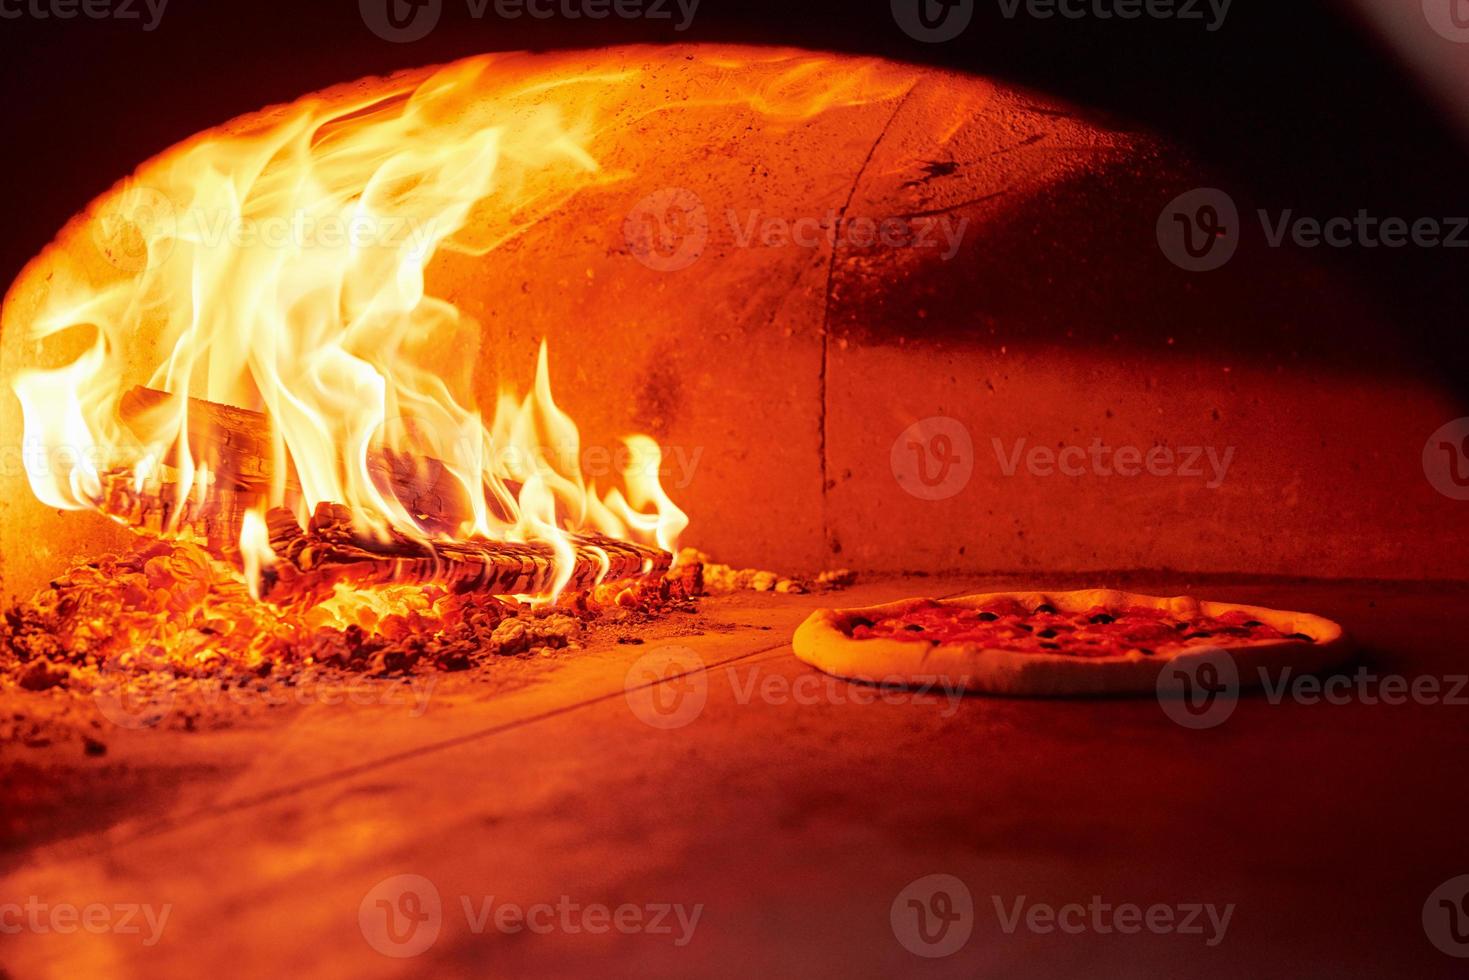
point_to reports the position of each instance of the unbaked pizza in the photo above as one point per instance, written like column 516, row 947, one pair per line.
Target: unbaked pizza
column 1095, row 641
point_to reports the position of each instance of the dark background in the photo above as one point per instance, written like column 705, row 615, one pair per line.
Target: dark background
column 1295, row 103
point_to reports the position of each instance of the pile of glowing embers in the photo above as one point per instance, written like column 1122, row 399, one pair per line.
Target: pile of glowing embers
column 172, row 607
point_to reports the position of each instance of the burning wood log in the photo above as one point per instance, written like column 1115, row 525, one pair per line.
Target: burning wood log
column 238, row 444
column 332, row 549
column 238, row 439
column 214, row 519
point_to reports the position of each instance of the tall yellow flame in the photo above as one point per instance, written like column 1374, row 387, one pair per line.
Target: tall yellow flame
column 283, row 269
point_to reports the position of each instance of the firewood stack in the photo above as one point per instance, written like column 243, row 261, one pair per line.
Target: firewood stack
column 237, row 444
column 214, row 519
column 334, row 548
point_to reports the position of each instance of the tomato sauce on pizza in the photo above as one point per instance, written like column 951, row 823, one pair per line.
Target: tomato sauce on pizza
column 1096, row 632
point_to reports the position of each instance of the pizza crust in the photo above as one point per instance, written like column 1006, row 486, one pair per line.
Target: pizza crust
column 824, row 642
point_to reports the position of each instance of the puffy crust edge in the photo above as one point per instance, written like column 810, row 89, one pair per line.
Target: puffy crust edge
column 823, row 642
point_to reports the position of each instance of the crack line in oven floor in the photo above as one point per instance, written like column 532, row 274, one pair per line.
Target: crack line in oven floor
column 206, row 813
column 279, row 793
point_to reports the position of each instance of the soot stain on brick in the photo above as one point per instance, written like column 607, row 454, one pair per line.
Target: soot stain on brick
column 932, row 169
column 660, row 394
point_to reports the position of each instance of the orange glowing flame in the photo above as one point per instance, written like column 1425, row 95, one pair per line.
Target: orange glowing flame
column 282, row 268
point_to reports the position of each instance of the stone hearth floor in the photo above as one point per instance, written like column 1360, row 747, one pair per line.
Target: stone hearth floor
column 792, row 809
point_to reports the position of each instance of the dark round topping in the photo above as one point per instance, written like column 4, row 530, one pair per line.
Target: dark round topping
column 1006, row 624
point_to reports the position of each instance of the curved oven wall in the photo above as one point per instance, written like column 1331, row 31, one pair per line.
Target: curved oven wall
column 997, row 274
